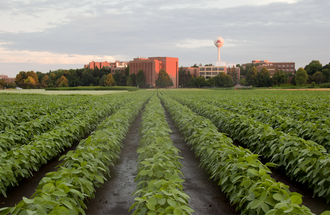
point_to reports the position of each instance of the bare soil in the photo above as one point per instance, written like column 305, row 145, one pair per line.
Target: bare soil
column 205, row 195
column 115, row 196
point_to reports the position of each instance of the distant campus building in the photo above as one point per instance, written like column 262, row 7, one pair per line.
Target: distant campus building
column 114, row 66
column 5, row 78
column 151, row 67
column 273, row 67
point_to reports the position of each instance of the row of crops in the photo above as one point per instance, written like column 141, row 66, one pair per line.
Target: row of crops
column 209, row 122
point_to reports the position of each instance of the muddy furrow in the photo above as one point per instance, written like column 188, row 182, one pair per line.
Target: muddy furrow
column 205, row 195
column 115, row 196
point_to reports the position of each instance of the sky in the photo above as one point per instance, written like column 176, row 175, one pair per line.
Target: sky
column 43, row 35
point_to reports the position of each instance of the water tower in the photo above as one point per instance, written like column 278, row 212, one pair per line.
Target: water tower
column 218, row 42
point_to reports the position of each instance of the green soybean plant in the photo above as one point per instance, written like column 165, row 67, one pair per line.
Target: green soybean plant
column 159, row 189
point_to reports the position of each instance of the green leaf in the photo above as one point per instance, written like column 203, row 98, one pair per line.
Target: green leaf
column 28, row 201
column 162, row 201
column 59, row 193
column 295, row 199
column 255, row 203
column 68, row 204
column 171, row 202
column 143, row 172
column 151, row 206
column 278, row 197
column 325, row 213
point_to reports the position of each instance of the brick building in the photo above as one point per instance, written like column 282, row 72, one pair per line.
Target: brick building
column 5, row 78
column 109, row 65
column 151, row 67
column 193, row 70
column 288, row 67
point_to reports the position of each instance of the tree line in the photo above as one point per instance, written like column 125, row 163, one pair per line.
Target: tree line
column 87, row 77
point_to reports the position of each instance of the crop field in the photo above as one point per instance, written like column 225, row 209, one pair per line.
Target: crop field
column 166, row 152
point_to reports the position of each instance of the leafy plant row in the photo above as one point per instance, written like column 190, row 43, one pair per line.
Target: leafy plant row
column 27, row 131
column 18, row 113
column 303, row 160
column 320, row 133
column 20, row 162
column 64, row 191
column 244, row 179
column 301, row 107
column 159, row 187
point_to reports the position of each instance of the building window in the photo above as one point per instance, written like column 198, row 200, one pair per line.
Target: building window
column 221, row 69
column 291, row 65
column 208, row 73
column 202, row 73
column 214, row 69
column 214, row 73
column 208, row 69
column 201, row 69
column 279, row 65
column 287, row 65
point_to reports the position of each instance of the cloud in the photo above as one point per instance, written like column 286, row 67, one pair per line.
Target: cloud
column 25, row 56
column 274, row 30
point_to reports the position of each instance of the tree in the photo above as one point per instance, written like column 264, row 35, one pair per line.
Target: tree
column 210, row 82
column 110, row 80
column 123, row 80
column 318, row 77
column 243, row 82
column 313, row 67
column 129, row 81
column 252, row 77
column 117, row 77
column 140, row 79
column 326, row 74
column 164, row 80
column 301, row 76
column 87, row 78
column 280, row 77
column 200, row 81
column 264, row 78
column 73, row 78
column 191, row 82
column 46, row 80
column 20, row 77
column 102, row 80
column 62, row 82
column 133, row 78
column 127, row 71
column 223, row 80
column 234, row 75
column 33, row 75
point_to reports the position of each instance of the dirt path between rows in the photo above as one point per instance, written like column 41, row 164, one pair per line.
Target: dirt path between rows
column 115, row 195
column 205, row 195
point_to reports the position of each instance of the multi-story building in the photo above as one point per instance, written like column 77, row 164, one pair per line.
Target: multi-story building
column 211, row 71
column 192, row 70
column 119, row 65
column 5, row 78
column 151, row 67
column 288, row 67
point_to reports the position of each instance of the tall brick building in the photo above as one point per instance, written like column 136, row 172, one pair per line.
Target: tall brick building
column 151, row 67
